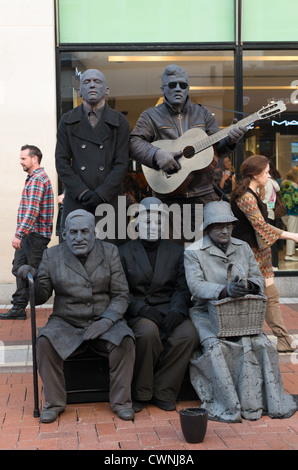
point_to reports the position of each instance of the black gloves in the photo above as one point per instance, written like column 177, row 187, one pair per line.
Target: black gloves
column 166, row 323
column 24, row 270
column 237, row 288
column 152, row 314
column 91, row 199
column 172, row 320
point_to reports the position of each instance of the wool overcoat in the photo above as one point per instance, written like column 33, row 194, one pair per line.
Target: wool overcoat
column 83, row 294
column 206, row 270
column 91, row 158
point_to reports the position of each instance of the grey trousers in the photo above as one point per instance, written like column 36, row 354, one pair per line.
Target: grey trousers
column 160, row 367
column 121, row 363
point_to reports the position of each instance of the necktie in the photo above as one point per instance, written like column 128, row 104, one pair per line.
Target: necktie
column 92, row 118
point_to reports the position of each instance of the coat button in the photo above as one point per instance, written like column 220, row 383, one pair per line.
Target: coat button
column 83, row 168
column 84, row 146
column 101, row 146
column 101, row 168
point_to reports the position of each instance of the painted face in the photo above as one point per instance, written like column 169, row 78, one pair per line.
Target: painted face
column 93, row 87
column 79, row 235
column 263, row 178
column 220, row 233
column 176, row 89
column 150, row 225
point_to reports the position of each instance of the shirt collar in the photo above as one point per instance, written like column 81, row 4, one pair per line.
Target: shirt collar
column 97, row 112
column 34, row 173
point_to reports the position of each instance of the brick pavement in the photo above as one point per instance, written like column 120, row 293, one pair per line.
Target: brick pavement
column 93, row 426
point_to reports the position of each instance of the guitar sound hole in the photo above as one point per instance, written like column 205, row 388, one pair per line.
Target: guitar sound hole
column 189, row 151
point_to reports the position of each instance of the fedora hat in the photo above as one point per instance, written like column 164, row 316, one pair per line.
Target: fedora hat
column 217, row 212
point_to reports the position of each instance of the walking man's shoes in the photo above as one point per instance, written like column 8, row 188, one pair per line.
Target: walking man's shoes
column 15, row 313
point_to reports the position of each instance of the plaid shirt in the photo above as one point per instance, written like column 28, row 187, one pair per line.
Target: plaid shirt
column 36, row 209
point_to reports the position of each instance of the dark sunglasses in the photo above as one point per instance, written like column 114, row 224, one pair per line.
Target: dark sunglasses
column 172, row 85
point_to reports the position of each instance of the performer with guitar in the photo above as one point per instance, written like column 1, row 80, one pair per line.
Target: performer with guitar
column 170, row 120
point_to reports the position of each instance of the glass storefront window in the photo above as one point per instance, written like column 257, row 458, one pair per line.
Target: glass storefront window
column 134, row 79
column 270, row 76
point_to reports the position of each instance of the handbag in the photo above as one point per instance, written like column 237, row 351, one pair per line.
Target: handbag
column 279, row 208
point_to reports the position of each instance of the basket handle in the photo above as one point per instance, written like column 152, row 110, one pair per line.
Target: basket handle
column 240, row 269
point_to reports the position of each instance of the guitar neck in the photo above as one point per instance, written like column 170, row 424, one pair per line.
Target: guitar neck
column 214, row 138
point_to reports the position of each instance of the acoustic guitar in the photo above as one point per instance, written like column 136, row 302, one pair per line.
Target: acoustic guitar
column 197, row 153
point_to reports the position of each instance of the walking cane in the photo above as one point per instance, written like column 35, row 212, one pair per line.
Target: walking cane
column 36, row 413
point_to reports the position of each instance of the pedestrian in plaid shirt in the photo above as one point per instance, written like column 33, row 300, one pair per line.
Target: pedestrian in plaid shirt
column 34, row 225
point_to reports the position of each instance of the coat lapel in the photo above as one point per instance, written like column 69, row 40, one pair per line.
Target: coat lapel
column 84, row 130
column 160, row 265
column 156, row 278
column 94, row 258
column 73, row 263
column 141, row 259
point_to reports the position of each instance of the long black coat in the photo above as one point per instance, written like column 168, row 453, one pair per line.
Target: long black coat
column 83, row 294
column 165, row 288
column 91, row 158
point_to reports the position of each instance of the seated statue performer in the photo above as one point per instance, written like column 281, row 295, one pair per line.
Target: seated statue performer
column 159, row 310
column 234, row 377
column 91, row 297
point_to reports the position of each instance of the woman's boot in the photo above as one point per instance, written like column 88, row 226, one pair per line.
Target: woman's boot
column 275, row 321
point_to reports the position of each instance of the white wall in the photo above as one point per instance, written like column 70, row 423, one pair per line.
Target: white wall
column 27, row 107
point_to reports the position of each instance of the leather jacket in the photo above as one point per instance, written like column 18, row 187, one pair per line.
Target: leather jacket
column 165, row 122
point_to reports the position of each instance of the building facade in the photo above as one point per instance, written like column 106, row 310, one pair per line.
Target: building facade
column 241, row 56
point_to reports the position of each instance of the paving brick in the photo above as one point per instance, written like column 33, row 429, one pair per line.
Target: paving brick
column 94, row 426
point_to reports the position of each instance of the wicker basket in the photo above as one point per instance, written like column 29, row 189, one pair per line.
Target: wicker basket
column 241, row 316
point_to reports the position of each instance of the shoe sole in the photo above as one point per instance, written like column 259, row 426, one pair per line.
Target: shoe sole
column 13, row 318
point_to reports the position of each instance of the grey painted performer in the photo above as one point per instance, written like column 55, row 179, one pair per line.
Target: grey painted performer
column 91, row 297
column 236, row 377
column 158, row 312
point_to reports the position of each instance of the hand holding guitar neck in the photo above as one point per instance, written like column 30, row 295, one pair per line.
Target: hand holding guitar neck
column 236, row 133
column 196, row 152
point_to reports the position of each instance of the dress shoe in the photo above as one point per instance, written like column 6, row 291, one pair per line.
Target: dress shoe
column 138, row 406
column 49, row 416
column 15, row 313
column 164, row 405
column 126, row 414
